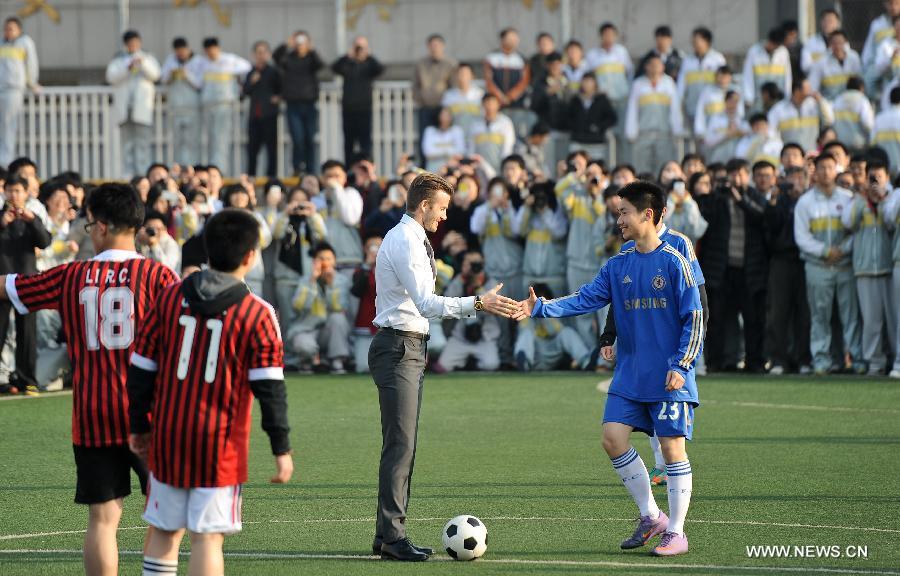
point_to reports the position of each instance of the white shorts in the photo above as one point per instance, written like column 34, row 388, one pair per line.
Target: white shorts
column 200, row 510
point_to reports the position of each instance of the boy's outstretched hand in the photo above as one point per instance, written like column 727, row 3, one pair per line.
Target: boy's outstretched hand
column 525, row 306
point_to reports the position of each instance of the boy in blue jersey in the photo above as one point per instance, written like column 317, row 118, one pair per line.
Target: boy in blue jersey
column 683, row 244
column 660, row 334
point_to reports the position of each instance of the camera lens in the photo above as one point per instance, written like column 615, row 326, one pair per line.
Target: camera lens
column 150, row 231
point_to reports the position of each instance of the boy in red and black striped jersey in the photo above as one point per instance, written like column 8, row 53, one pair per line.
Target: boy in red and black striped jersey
column 100, row 301
column 206, row 349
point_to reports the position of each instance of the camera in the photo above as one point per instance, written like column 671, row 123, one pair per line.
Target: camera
column 150, row 231
column 476, row 267
column 873, row 180
column 540, row 199
column 472, row 331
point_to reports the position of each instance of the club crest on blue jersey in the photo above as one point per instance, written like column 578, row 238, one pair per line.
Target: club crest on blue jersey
column 658, row 282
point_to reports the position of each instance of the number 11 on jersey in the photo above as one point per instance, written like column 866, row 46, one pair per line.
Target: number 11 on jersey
column 214, row 325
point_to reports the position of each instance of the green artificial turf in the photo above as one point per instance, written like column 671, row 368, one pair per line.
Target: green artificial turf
column 794, row 461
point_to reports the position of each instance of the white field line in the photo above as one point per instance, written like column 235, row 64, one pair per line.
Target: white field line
column 513, row 561
column 43, row 395
column 496, row 519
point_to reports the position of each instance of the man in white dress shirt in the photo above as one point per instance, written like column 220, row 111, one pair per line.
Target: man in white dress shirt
column 404, row 303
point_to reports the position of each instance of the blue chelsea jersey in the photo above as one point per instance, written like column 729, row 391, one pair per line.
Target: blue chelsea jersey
column 681, row 243
column 658, row 316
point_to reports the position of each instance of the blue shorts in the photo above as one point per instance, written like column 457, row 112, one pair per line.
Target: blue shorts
column 664, row 418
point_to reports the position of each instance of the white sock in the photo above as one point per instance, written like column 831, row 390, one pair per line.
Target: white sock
column 681, row 482
column 155, row 566
column 634, row 475
column 657, row 453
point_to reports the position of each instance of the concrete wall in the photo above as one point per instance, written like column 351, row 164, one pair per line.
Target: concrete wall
column 87, row 35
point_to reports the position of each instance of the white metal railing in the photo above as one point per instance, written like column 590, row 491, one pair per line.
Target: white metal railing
column 75, row 128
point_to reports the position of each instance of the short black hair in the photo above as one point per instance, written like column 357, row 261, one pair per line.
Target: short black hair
column 465, row 65
column 858, row 157
column 209, row 43
column 790, row 145
column 758, row 117
column 836, row 144
column 320, row 247
column 228, row 236
column 895, row 98
column 877, row 164
column 179, row 42
column 760, row 164
column 14, row 20
column 433, row 37
column 855, row 83
column 230, row 190
column 118, row 206
column 570, row 157
column 51, row 187
column 571, row 43
column 790, row 26
column 663, row 31
column 329, row 164
column 516, row 158
column 838, row 32
column 16, row 181
column 608, row 26
column 703, row 32
column 822, row 157
column 507, row 31
column 691, row 156
column 642, row 195
column 544, row 34
column 554, row 57
column 154, row 215
column 259, row 43
column 130, row 35
column 776, row 36
column 827, row 11
column 21, row 162
column 736, row 164
column 156, row 165
column 540, row 128
column 724, row 69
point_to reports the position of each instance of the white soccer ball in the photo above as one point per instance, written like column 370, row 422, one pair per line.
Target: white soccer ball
column 465, row 538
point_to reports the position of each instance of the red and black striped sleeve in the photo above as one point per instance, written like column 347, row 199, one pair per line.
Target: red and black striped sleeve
column 266, row 377
column 40, row 291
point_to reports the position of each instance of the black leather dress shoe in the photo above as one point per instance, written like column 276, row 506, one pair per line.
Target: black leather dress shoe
column 402, row 550
column 376, row 547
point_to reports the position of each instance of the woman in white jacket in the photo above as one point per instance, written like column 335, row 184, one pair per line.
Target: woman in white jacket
column 133, row 73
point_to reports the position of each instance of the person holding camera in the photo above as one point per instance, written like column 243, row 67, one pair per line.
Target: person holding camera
column 735, row 265
column 300, row 85
column 473, row 338
column 542, row 224
column 872, row 265
column 21, row 232
column 154, row 242
column 133, row 72
column 359, row 70
column 788, row 313
column 296, row 230
column 390, row 210
column 320, row 328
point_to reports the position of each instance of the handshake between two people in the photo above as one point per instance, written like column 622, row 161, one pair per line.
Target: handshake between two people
column 495, row 303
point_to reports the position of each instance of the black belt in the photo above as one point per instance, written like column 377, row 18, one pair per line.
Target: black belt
column 406, row 334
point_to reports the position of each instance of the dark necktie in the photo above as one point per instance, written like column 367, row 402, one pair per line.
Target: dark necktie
column 430, row 251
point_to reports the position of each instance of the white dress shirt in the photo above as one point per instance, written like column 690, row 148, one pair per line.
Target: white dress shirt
column 404, row 283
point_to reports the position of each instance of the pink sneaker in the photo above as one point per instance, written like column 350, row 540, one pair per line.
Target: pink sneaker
column 671, row 544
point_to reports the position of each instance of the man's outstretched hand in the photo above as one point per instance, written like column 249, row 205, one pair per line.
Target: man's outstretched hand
column 526, row 306
column 497, row 304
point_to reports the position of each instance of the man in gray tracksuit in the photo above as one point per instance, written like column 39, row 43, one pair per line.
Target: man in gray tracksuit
column 872, row 265
column 825, row 246
column 182, row 102
column 891, row 215
column 18, row 72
